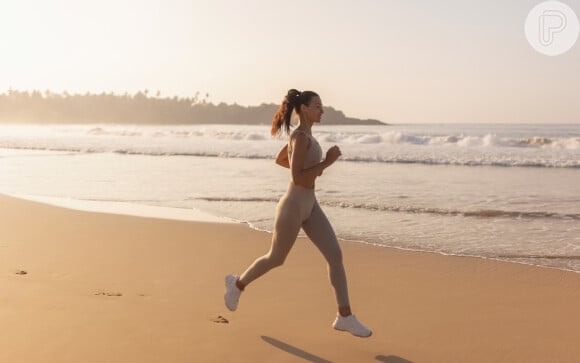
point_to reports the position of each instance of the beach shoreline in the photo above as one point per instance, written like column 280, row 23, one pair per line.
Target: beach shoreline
column 94, row 287
column 196, row 215
column 458, row 190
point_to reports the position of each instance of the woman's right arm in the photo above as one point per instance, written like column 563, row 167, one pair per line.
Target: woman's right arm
column 282, row 158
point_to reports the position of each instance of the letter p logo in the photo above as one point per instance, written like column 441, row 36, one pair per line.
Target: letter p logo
column 552, row 28
column 551, row 22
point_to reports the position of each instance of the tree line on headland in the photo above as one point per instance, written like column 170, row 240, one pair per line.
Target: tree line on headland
column 141, row 108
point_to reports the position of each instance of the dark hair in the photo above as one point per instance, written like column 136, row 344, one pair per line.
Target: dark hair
column 292, row 102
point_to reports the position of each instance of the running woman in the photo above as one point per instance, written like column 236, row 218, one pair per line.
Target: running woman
column 298, row 208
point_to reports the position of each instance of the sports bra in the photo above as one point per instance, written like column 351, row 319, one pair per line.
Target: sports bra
column 314, row 152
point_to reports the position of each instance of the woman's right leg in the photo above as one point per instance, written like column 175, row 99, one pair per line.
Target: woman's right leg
column 286, row 228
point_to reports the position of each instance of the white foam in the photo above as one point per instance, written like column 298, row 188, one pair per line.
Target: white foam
column 473, row 145
column 130, row 209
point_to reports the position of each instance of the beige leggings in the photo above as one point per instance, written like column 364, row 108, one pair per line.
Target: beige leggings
column 299, row 208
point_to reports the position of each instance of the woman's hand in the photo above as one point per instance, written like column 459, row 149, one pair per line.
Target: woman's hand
column 332, row 155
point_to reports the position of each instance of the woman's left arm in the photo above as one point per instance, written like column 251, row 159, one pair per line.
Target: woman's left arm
column 282, row 158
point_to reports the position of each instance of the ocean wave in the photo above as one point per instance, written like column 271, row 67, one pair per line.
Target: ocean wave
column 475, row 160
column 98, row 131
column 483, row 213
column 548, row 147
column 234, row 199
column 178, row 133
column 547, row 257
column 500, row 162
column 390, row 137
column 489, row 140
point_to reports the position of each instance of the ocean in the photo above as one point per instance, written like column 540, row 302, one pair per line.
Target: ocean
column 507, row 192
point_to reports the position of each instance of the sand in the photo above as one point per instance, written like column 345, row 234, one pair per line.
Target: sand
column 92, row 287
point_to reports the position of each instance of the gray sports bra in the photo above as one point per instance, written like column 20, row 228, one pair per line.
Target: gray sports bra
column 314, row 153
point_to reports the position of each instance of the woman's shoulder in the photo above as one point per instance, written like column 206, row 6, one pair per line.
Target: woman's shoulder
column 299, row 133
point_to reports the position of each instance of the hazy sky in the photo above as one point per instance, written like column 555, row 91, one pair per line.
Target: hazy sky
column 397, row 61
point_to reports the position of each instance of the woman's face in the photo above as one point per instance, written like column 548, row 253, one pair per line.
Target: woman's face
column 314, row 111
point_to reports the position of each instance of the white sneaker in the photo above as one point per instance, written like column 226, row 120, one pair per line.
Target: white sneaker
column 351, row 325
column 232, row 294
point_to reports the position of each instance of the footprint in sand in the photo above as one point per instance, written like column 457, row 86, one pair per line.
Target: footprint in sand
column 103, row 293
column 220, row 320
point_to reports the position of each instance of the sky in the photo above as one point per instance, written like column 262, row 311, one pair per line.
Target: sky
column 460, row 61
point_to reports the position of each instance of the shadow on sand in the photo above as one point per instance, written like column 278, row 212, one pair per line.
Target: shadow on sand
column 294, row 351
column 316, row 359
column 391, row 359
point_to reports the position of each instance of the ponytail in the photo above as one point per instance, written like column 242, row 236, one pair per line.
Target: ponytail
column 292, row 102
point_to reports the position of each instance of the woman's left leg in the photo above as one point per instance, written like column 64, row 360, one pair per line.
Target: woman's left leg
column 319, row 230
